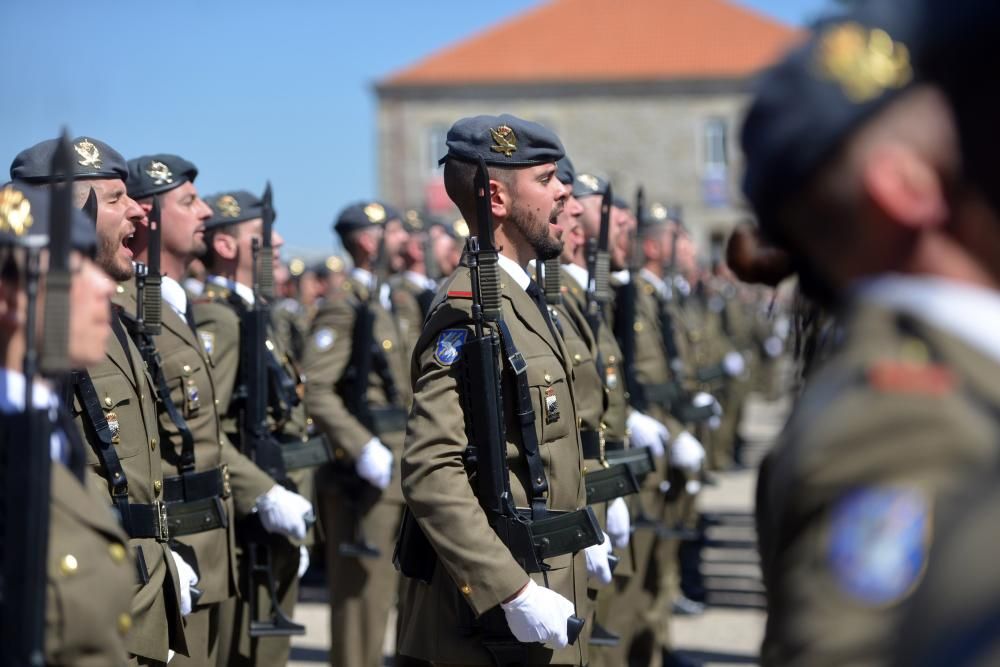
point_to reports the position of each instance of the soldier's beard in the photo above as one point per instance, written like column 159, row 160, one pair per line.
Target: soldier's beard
column 537, row 233
column 118, row 268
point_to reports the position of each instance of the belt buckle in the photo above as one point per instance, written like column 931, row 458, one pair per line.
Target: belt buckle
column 600, row 446
column 227, row 489
column 162, row 524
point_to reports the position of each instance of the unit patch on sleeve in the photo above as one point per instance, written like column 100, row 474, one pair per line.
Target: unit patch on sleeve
column 449, row 345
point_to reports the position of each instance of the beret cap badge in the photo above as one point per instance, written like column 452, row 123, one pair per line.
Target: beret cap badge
column 504, row 140
column 15, row 212
column 375, row 212
column 228, row 207
column 160, row 173
column 590, row 181
column 865, row 62
column 90, row 156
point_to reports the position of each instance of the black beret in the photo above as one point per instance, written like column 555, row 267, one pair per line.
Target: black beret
column 233, row 206
column 155, row 174
column 502, row 141
column 619, row 202
column 588, row 185
column 92, row 159
column 805, row 106
column 364, row 214
column 25, row 219
column 565, row 171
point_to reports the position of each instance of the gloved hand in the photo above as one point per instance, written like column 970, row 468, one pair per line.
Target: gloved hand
column 619, row 523
column 704, row 399
column 686, row 452
column 539, row 614
column 733, row 363
column 597, row 561
column 645, row 431
column 693, row 487
column 375, row 464
column 303, row 560
column 284, row 512
column 186, row 578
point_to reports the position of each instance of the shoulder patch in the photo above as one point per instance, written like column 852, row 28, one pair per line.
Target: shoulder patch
column 902, row 377
column 459, row 295
column 449, row 345
column 207, row 341
column 323, row 339
column 879, row 539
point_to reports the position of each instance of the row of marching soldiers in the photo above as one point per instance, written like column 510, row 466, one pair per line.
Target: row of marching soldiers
column 208, row 441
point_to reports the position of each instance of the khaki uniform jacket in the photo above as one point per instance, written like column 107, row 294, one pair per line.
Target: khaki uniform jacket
column 87, row 557
column 652, row 365
column 409, row 312
column 187, row 370
column 327, row 357
column 218, row 327
column 126, row 394
column 901, row 412
column 476, row 571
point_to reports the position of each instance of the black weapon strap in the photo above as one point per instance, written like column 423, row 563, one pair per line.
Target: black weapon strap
column 280, row 399
column 380, row 364
column 525, row 414
column 102, row 442
column 667, row 331
column 77, row 458
column 186, row 461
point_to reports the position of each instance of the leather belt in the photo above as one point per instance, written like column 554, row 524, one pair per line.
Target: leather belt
column 197, row 485
column 197, row 516
column 146, row 521
column 664, row 393
column 591, row 442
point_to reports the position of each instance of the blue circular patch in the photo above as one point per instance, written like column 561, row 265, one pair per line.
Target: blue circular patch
column 878, row 543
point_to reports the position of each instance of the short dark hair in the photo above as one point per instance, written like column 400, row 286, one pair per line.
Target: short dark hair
column 459, row 183
column 211, row 258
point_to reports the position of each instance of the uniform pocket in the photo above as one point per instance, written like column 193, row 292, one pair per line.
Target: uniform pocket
column 550, row 393
column 123, row 413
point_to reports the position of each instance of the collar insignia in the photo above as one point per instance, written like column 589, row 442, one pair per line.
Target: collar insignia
column 375, row 212
column 228, row 207
column 90, row 156
column 504, row 140
column 160, row 173
column 866, row 63
column 15, row 212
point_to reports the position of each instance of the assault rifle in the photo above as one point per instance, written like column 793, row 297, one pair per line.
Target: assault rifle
column 626, row 312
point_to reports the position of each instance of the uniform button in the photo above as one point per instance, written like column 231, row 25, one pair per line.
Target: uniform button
column 577, row 358
column 216, row 401
column 547, row 378
column 117, row 551
column 120, row 289
column 107, row 401
column 186, row 369
column 339, row 454
column 466, row 589
column 387, row 345
column 584, row 470
column 157, row 485
column 637, row 326
column 152, row 443
column 269, row 345
column 611, row 359
column 68, row 564
column 124, row 624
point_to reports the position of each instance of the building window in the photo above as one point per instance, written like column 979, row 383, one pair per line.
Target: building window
column 715, row 159
column 437, row 146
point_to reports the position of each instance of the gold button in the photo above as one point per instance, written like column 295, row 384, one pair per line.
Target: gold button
column 186, row 369
column 547, row 378
column 117, row 551
column 584, row 470
column 309, row 421
column 124, row 624
column 107, row 401
column 577, row 358
column 68, row 564
column 216, row 401
column 466, row 589
column 157, row 485
column 387, row 345
column 120, row 289
column 269, row 345
column 638, row 326
column 152, row 443
column 611, row 359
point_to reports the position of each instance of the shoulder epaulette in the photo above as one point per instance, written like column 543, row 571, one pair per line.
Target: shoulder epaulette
column 907, row 377
column 457, row 294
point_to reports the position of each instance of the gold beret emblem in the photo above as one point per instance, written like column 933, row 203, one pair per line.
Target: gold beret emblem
column 160, row 173
column 15, row 212
column 658, row 211
column 335, row 263
column 865, row 63
column 228, row 206
column 413, row 219
column 504, row 140
column 461, row 228
column 375, row 212
column 296, row 267
column 590, row 181
column 89, row 155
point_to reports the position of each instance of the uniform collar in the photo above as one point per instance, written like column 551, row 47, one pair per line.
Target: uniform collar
column 658, row 283
column 515, row 271
column 579, row 274
column 969, row 312
column 174, row 295
column 420, row 280
column 245, row 292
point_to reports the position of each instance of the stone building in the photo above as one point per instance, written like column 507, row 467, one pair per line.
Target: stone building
column 644, row 92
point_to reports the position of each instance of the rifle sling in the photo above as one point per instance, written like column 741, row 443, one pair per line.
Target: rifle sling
column 525, row 415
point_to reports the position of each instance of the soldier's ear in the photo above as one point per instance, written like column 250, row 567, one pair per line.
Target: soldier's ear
column 905, row 186
column 225, row 246
column 501, row 199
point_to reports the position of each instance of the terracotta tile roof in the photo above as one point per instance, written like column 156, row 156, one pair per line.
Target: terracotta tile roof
column 600, row 40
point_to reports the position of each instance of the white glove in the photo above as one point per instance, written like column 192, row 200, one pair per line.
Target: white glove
column 686, row 452
column 733, row 363
column 644, row 431
column 170, row 654
column 714, row 423
column 186, row 578
column 375, row 464
column 619, row 523
column 597, row 561
column 282, row 511
column 693, row 487
column 303, row 560
column 539, row 614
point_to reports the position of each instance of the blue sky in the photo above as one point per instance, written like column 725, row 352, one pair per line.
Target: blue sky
column 247, row 90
